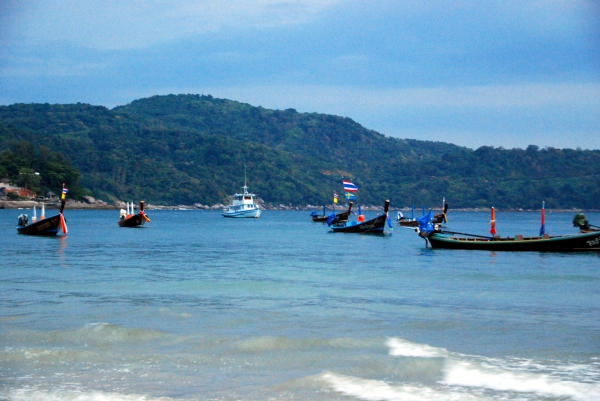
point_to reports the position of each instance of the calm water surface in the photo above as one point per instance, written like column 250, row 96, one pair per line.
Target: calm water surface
column 198, row 307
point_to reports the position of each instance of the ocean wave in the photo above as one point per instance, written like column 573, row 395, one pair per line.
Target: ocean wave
column 468, row 374
column 272, row 343
column 40, row 355
column 104, row 334
column 41, row 395
column 509, row 378
column 90, row 334
column 401, row 347
column 377, row 390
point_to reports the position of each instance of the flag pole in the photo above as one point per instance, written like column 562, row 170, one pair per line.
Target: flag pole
column 543, row 227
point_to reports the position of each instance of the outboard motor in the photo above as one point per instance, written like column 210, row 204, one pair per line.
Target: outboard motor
column 23, row 220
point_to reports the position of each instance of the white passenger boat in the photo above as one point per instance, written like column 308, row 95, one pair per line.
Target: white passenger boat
column 242, row 205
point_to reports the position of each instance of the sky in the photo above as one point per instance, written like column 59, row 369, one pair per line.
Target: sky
column 501, row 73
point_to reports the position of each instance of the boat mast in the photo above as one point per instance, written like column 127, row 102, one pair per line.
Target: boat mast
column 245, row 186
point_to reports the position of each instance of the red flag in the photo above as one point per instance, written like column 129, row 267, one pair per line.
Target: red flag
column 493, row 222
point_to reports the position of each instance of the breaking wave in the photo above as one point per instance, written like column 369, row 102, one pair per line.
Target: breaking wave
column 469, row 377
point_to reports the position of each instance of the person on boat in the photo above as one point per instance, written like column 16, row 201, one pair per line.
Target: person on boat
column 23, row 220
column 400, row 216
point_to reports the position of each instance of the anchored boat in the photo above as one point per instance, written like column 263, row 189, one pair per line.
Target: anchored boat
column 45, row 226
column 129, row 219
column 375, row 225
column 343, row 216
column 242, row 205
column 588, row 239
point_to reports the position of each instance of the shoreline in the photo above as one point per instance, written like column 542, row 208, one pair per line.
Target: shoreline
column 99, row 205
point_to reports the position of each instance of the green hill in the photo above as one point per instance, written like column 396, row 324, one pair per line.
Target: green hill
column 189, row 148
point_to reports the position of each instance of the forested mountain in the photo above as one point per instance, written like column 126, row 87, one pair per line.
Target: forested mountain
column 189, row 148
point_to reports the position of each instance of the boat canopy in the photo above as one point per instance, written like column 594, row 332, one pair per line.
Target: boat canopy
column 426, row 223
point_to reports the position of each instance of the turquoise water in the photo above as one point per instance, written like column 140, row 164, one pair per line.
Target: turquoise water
column 198, row 307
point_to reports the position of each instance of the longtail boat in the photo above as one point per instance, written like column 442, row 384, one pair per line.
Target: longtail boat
column 588, row 239
column 343, row 216
column 375, row 225
column 129, row 219
column 44, row 226
column 437, row 219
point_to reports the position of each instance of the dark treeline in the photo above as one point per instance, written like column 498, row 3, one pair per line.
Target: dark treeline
column 190, row 148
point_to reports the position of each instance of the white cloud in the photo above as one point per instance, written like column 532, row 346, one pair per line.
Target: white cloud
column 117, row 24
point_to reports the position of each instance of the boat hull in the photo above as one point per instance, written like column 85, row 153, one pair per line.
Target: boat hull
column 136, row 220
column 375, row 226
column 408, row 223
column 564, row 243
column 340, row 217
column 49, row 226
column 437, row 219
column 254, row 213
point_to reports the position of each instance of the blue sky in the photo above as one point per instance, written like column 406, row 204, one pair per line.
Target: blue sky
column 474, row 73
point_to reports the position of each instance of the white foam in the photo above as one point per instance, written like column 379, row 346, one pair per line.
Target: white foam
column 377, row 390
column 40, row 395
column 574, row 381
column 401, row 347
column 472, row 375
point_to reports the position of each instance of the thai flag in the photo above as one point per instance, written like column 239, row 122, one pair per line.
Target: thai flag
column 349, row 187
column 65, row 191
column 335, row 197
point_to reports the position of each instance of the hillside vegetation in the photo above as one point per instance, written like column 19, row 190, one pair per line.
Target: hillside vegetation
column 189, row 148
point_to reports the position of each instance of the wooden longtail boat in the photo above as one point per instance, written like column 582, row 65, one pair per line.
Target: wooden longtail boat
column 48, row 226
column 133, row 220
column 375, row 225
column 588, row 239
column 45, row 226
column 343, row 216
column 437, row 219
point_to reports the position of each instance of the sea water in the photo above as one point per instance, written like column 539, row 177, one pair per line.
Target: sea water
column 198, row 307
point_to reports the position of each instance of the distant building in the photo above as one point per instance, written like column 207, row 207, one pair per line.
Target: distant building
column 51, row 196
column 7, row 188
